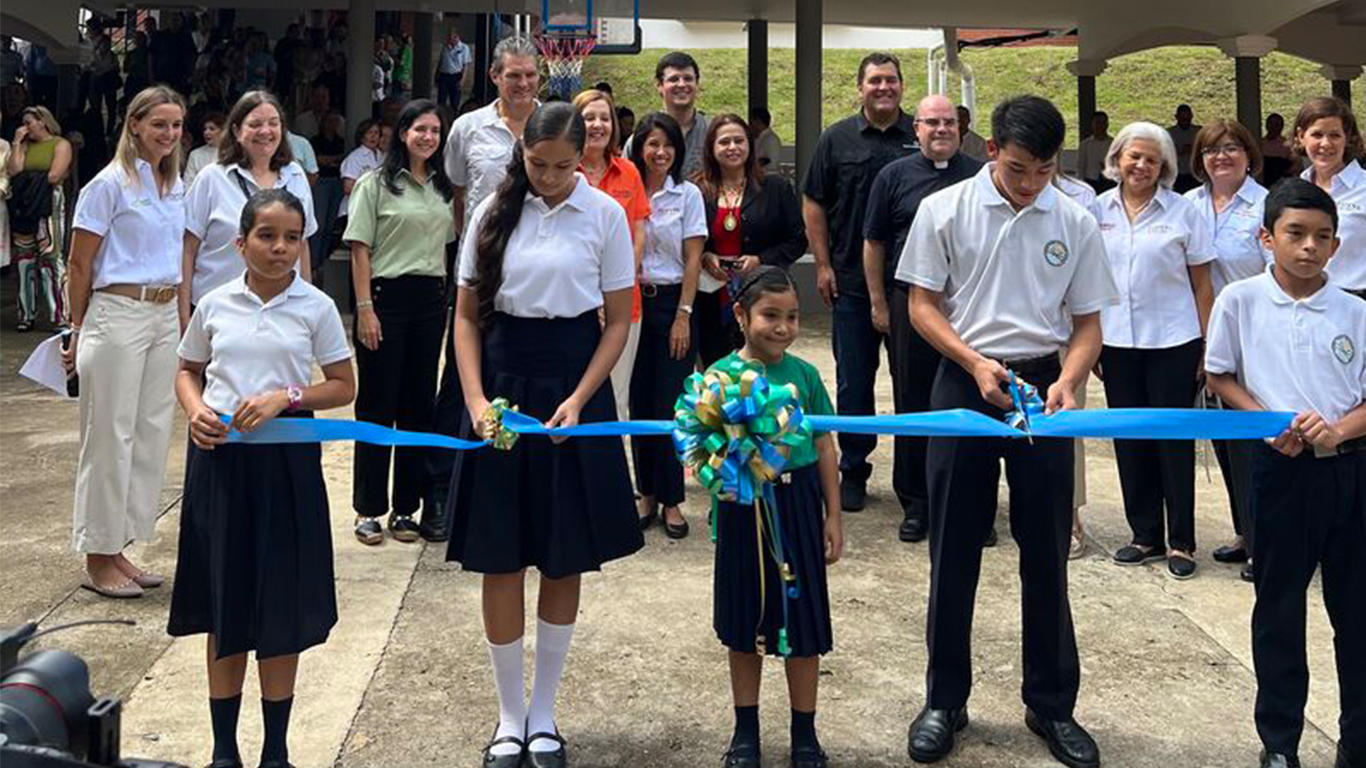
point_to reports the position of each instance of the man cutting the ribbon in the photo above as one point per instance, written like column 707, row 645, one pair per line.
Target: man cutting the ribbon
column 1005, row 272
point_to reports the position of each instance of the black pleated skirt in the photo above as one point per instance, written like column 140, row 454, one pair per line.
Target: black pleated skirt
column 566, row 508
column 739, row 613
column 254, row 565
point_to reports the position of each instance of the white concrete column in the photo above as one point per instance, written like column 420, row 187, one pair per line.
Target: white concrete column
column 1247, row 52
column 1086, row 71
column 1342, row 76
column 810, row 17
column 360, row 61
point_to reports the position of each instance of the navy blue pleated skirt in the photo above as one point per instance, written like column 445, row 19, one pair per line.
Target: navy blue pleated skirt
column 254, row 564
column 564, row 509
column 740, row 615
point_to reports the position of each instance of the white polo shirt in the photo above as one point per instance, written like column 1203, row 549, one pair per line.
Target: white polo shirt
column 356, row 164
column 213, row 213
column 253, row 347
column 559, row 261
column 676, row 214
column 1235, row 234
column 1006, row 275
column 1291, row 355
column 478, row 151
column 1081, row 193
column 140, row 228
column 1148, row 259
column 1348, row 265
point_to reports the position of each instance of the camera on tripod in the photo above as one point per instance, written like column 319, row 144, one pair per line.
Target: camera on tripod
column 48, row 716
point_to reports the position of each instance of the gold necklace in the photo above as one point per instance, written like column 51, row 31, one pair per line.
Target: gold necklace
column 730, row 199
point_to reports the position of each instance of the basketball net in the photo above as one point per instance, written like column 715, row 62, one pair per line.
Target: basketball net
column 564, row 56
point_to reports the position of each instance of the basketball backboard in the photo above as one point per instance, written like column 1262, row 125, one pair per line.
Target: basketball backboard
column 615, row 24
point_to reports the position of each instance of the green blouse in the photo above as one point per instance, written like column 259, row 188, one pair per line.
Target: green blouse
column 406, row 233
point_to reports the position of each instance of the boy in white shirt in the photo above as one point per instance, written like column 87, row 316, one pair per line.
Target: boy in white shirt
column 1290, row 340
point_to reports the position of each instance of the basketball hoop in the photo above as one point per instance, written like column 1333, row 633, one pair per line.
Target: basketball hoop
column 564, row 55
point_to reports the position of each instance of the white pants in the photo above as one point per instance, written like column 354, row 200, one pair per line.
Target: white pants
column 126, row 358
column 621, row 372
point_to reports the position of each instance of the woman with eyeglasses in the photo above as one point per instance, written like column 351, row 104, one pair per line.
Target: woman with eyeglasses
column 1226, row 162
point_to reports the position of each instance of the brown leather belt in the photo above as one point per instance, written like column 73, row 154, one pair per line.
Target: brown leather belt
column 157, row 294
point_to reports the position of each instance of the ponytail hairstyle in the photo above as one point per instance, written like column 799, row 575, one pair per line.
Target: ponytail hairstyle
column 126, row 152
column 397, row 158
column 765, row 279
column 548, row 122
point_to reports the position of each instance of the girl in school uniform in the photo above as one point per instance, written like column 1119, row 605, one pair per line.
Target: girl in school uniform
column 122, row 277
column 401, row 219
column 671, row 262
column 254, row 566
column 766, row 309
column 1160, row 253
column 252, row 155
column 543, row 255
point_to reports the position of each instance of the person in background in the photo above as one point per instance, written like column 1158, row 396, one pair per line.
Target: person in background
column 137, row 66
column 1327, row 136
column 1278, row 156
column 330, row 147
column 974, row 146
column 4, row 204
column 678, row 78
column 1227, row 161
column 1183, row 138
column 11, row 62
column 450, row 69
column 207, row 154
column 105, row 80
column 766, row 143
column 401, row 48
column 367, row 156
column 848, row 157
column 1091, row 154
column 309, row 122
column 626, row 124
column 40, row 161
column 1160, row 254
column 303, row 155
column 398, row 228
column 675, row 234
column 125, row 265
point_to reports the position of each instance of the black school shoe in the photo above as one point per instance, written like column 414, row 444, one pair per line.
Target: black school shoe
column 1227, row 554
column 403, row 528
column 1067, row 741
column 1181, row 567
column 513, row 760
column 1133, row 554
column 742, row 755
column 808, row 756
column 914, row 528
column 433, row 526
column 369, row 531
column 555, row 759
column 1277, row 760
column 932, row 733
column 853, row 495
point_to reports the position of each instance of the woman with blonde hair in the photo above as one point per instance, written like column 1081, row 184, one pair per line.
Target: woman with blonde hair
column 124, row 273
column 39, row 162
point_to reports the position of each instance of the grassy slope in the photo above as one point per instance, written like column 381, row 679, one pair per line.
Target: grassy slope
column 1141, row 86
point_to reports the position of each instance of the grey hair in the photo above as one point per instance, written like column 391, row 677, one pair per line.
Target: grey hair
column 1148, row 132
column 512, row 46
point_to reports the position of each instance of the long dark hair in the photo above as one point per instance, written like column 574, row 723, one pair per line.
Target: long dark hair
column 662, row 122
column 549, row 121
column 708, row 177
column 397, row 157
column 230, row 149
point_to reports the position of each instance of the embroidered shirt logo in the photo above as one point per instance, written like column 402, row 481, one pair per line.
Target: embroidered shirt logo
column 1055, row 253
column 1343, row 349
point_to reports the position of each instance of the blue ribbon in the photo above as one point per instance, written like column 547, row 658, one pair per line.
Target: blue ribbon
column 1119, row 423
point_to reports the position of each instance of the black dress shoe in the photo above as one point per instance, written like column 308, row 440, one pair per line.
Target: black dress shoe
column 1134, row 554
column 433, row 525
column 853, row 495
column 678, row 531
column 1227, row 554
column 555, row 759
column 1277, row 760
column 914, row 528
column 931, row 735
column 808, row 757
column 1069, row 743
column 742, row 755
column 1246, row 573
column 513, row 760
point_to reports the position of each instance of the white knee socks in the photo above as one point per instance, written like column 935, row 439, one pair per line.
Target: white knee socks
column 552, row 647
column 508, row 672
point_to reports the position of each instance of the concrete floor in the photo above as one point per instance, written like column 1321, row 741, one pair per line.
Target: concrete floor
column 404, row 681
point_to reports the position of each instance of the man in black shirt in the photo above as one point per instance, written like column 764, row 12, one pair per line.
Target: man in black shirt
column 847, row 159
column 892, row 204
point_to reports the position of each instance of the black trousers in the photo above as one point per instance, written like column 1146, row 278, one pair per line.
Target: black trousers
column 858, row 353
column 1155, row 474
column 395, row 388
column 1233, row 456
column 656, row 383
column 1310, row 512
column 715, row 331
column 963, row 476
column 914, row 363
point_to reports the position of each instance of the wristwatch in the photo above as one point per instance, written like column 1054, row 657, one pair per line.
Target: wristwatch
column 685, row 309
column 296, row 397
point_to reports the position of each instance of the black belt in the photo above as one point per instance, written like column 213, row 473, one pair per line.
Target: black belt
column 651, row 290
column 1046, row 364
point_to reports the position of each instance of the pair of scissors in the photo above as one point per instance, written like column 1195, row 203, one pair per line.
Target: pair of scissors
column 1021, row 407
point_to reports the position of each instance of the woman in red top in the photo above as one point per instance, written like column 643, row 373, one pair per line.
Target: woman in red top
column 618, row 177
column 754, row 219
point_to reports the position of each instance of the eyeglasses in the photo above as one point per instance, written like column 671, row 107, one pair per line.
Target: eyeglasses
column 935, row 123
column 1228, row 150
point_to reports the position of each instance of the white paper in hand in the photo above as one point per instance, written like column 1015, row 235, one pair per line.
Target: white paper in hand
column 45, row 366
